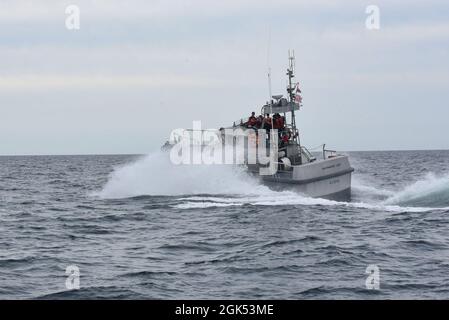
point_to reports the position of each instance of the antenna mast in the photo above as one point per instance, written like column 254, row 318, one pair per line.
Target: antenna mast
column 269, row 84
column 291, row 75
column 290, row 91
column 268, row 65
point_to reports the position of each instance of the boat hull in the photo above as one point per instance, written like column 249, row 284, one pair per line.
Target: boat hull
column 330, row 179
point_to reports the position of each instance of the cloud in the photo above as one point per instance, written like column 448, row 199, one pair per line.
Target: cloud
column 212, row 56
column 46, row 82
column 128, row 10
column 12, row 10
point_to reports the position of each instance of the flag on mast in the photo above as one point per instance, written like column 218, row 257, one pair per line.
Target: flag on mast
column 298, row 98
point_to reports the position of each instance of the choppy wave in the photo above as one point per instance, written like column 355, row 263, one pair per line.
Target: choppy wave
column 432, row 191
column 230, row 186
column 141, row 237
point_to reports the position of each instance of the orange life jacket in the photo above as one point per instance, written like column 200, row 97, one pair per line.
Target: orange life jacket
column 280, row 123
column 252, row 121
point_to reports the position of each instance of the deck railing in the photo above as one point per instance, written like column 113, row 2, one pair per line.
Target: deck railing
column 328, row 153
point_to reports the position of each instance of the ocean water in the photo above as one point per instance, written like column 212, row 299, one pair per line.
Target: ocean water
column 139, row 228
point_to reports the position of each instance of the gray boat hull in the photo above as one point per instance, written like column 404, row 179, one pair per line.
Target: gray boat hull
column 330, row 179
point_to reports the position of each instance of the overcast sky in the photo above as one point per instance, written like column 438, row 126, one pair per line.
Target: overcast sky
column 135, row 70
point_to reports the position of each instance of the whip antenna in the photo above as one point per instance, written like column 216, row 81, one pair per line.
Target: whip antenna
column 268, row 65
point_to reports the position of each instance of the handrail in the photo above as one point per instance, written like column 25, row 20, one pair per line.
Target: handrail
column 308, row 154
column 333, row 153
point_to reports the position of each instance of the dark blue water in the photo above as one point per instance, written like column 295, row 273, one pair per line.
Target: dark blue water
column 137, row 228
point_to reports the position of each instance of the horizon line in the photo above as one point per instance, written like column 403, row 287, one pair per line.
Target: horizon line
column 142, row 154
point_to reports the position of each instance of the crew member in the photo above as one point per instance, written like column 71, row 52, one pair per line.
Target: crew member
column 252, row 121
column 259, row 123
column 281, row 122
column 284, row 140
column 267, row 123
column 275, row 120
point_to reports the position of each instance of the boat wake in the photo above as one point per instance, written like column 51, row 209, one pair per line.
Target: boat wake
column 207, row 186
column 155, row 175
column 432, row 191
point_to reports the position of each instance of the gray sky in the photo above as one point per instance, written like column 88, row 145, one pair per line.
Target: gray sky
column 138, row 69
